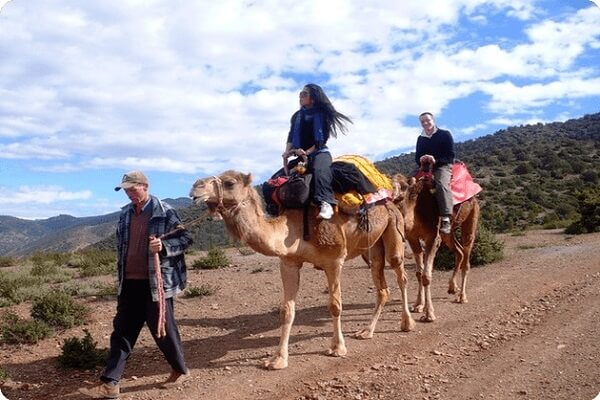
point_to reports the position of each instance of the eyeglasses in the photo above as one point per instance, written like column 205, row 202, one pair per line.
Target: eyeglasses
column 304, row 93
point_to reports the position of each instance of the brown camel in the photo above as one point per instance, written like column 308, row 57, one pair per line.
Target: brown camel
column 421, row 222
column 331, row 243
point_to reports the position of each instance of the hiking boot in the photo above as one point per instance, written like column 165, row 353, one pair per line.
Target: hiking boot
column 102, row 391
column 446, row 226
column 326, row 210
column 175, row 379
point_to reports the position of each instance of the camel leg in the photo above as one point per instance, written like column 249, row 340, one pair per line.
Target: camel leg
column 396, row 260
column 417, row 250
column 333, row 272
column 454, row 246
column 468, row 232
column 430, row 251
column 290, row 275
column 376, row 264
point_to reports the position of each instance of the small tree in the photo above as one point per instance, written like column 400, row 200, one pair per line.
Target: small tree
column 81, row 353
column 215, row 259
column 14, row 330
column 486, row 250
column 58, row 309
column 589, row 209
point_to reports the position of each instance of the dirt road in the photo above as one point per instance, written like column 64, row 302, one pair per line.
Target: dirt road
column 530, row 331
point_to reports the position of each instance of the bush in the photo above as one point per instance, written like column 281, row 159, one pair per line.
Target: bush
column 215, row 259
column 589, row 209
column 44, row 268
column 203, row 290
column 81, row 353
column 57, row 259
column 486, row 250
column 14, row 330
column 96, row 262
column 58, row 309
column 4, row 375
column 6, row 262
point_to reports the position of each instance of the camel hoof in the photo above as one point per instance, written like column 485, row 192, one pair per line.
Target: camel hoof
column 417, row 308
column 461, row 300
column 339, row 351
column 276, row 362
column 427, row 318
column 407, row 325
column 451, row 290
column 364, row 334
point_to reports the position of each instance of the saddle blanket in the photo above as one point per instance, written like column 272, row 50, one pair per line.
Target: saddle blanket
column 462, row 185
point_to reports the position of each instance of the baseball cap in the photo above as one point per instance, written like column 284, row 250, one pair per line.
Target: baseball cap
column 131, row 179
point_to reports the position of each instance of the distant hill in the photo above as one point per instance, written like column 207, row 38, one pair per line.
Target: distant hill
column 530, row 175
column 63, row 233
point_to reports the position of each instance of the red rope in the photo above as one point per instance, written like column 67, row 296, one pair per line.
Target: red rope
column 160, row 330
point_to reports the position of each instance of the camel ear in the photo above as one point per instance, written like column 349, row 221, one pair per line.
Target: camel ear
column 412, row 181
column 247, row 179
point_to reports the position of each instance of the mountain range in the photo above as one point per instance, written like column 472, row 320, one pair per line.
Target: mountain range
column 530, row 174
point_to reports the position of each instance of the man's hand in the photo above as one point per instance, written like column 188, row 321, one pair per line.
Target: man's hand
column 155, row 245
column 427, row 159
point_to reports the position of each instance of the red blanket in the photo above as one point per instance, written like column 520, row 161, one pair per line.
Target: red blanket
column 462, row 185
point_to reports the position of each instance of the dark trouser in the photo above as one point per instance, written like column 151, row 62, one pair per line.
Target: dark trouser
column 320, row 166
column 134, row 308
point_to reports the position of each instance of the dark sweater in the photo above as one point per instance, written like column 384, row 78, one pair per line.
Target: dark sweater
column 440, row 145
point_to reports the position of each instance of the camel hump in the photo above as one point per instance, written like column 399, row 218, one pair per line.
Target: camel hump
column 462, row 185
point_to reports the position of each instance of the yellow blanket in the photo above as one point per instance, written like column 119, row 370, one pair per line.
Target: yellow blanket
column 367, row 168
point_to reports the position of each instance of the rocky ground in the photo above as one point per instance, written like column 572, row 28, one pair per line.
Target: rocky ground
column 530, row 331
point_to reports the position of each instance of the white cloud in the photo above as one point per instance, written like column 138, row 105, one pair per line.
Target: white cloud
column 40, row 195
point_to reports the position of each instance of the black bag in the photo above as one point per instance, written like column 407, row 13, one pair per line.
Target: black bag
column 294, row 193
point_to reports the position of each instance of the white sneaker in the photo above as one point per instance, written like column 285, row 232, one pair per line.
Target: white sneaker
column 446, row 226
column 326, row 210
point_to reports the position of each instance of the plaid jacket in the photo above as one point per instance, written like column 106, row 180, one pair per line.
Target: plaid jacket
column 164, row 219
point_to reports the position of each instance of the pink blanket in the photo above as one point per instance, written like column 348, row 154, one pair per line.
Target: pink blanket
column 462, row 185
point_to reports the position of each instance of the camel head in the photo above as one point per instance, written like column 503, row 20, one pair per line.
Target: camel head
column 400, row 185
column 223, row 192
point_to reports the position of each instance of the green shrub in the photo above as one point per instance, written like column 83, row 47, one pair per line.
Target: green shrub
column 4, row 375
column 58, row 309
column 81, row 353
column 14, row 330
column 215, row 259
column 486, row 250
column 44, row 268
column 95, row 262
column 576, row 228
column 9, row 291
column 201, row 291
column 57, row 259
column 6, row 262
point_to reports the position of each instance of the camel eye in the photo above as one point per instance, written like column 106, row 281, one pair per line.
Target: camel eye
column 228, row 184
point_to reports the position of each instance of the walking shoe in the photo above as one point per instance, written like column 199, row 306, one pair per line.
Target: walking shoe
column 175, row 379
column 326, row 210
column 102, row 391
column 446, row 226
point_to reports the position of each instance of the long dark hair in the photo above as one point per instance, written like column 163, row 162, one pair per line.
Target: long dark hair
column 334, row 120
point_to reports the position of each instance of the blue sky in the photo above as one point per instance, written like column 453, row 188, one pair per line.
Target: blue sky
column 185, row 89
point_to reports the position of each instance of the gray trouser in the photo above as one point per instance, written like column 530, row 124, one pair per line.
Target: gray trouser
column 443, row 194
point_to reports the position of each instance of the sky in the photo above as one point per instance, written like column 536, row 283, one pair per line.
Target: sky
column 187, row 89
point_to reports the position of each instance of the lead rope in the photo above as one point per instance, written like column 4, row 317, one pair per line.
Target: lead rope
column 162, row 302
